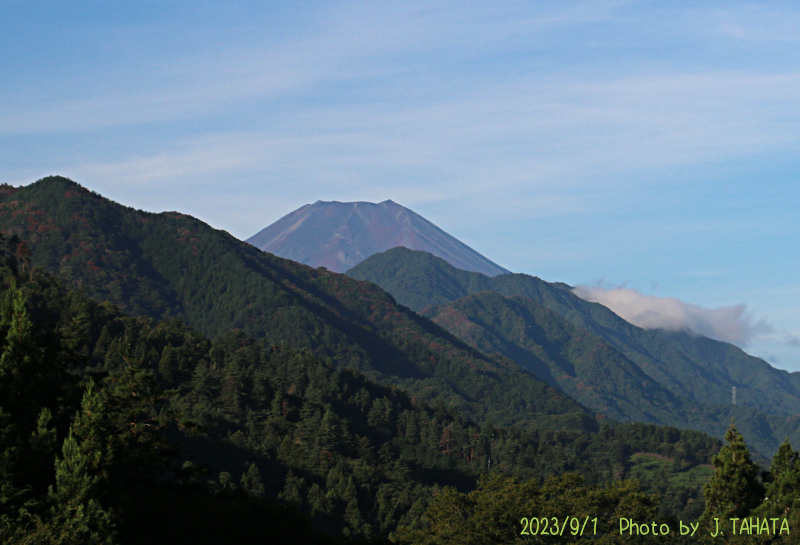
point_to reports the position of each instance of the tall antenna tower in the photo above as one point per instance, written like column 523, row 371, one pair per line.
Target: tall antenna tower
column 733, row 396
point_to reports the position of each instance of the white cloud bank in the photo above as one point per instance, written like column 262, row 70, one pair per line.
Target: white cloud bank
column 728, row 324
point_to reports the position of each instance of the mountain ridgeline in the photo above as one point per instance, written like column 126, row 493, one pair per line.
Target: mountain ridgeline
column 170, row 265
column 588, row 351
column 126, row 428
column 339, row 235
column 296, row 405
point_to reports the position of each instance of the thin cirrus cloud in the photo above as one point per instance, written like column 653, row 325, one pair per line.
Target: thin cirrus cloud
column 520, row 138
column 728, row 324
column 751, row 23
column 530, row 134
column 559, row 122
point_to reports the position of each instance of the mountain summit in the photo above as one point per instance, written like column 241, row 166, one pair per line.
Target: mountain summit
column 340, row 235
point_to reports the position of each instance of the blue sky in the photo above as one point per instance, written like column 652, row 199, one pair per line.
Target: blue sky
column 645, row 145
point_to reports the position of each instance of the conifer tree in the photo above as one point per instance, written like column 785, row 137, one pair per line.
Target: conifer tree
column 251, row 481
column 17, row 361
column 31, row 371
column 734, row 488
column 353, row 519
column 10, row 494
column 319, row 501
column 782, row 496
column 226, row 481
column 292, row 489
column 327, row 432
column 77, row 515
column 136, row 414
column 43, row 447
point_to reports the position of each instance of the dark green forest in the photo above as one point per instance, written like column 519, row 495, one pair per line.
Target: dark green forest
column 173, row 266
column 354, row 420
column 105, row 410
column 586, row 350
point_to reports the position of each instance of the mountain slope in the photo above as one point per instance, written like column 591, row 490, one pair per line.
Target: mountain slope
column 697, row 373
column 172, row 265
column 695, row 367
column 339, row 235
column 578, row 362
column 287, row 422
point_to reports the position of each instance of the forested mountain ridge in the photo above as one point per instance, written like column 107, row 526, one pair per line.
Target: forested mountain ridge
column 692, row 375
column 171, row 265
column 252, row 422
column 691, row 366
column 576, row 361
column 592, row 372
column 127, row 429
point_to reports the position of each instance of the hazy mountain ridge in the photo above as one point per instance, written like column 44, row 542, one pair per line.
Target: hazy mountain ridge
column 175, row 266
column 691, row 366
column 172, row 265
column 339, row 235
column 696, row 372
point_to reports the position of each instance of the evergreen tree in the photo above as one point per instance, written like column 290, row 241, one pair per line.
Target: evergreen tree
column 251, row 481
column 292, row 489
column 136, row 414
column 43, row 448
column 226, row 481
column 320, row 503
column 23, row 372
column 11, row 497
column 77, row 515
column 734, row 489
column 782, row 496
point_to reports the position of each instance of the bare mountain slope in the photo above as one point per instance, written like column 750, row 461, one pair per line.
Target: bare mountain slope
column 340, row 235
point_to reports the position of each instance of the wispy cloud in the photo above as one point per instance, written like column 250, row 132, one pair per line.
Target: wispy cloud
column 368, row 91
column 513, row 143
column 341, row 42
column 791, row 340
column 751, row 22
column 729, row 324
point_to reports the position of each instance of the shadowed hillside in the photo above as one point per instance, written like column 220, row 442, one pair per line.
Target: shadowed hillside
column 171, row 265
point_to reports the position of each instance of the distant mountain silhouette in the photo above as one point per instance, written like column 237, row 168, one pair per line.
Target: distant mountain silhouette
column 340, row 235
